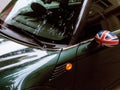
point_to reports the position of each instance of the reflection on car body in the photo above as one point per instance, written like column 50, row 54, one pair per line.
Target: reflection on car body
column 40, row 38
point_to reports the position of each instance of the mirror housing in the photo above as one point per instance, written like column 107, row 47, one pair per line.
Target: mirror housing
column 103, row 39
column 106, row 38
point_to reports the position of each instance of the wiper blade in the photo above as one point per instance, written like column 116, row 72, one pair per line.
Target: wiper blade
column 20, row 37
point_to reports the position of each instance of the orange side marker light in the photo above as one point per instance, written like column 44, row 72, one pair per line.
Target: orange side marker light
column 68, row 66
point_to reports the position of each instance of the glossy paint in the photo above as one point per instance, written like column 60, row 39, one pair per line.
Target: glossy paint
column 22, row 67
column 19, row 63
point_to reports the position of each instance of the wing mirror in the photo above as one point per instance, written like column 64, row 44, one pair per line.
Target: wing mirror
column 104, row 38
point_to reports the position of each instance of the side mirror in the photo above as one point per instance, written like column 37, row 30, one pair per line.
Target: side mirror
column 104, row 38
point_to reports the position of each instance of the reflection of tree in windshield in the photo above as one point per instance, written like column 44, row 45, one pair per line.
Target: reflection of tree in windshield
column 54, row 21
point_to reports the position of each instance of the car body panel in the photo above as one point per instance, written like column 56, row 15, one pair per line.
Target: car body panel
column 19, row 62
column 22, row 67
column 39, row 61
column 99, row 71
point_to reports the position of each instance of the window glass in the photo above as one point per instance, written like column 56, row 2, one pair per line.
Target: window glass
column 48, row 20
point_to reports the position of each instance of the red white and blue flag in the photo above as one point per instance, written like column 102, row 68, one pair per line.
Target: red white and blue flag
column 106, row 38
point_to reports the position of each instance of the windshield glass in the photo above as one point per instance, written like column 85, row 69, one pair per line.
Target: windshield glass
column 51, row 21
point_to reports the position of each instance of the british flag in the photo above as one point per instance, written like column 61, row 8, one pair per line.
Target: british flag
column 106, row 38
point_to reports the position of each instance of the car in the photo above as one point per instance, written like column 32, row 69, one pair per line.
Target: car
column 59, row 45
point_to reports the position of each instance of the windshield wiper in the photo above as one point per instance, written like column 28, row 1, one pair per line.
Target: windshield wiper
column 20, row 36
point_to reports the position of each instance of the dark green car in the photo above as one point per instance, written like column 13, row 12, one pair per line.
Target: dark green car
column 59, row 45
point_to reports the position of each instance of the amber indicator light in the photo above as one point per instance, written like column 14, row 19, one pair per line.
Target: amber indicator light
column 68, row 66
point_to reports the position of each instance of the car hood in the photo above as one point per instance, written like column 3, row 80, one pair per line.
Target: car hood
column 18, row 63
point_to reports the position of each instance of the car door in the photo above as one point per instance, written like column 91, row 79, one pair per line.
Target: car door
column 99, row 71
column 99, row 68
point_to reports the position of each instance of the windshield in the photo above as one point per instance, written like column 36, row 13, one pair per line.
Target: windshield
column 51, row 21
